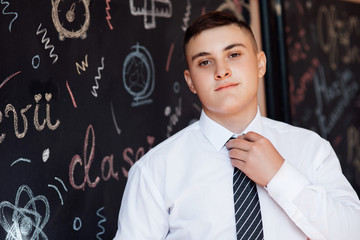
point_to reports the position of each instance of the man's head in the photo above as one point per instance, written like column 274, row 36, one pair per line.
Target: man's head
column 213, row 20
column 224, row 67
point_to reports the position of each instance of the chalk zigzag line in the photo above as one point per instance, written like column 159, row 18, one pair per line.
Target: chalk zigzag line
column 47, row 41
column 103, row 219
column 8, row 13
column 98, row 77
column 108, row 17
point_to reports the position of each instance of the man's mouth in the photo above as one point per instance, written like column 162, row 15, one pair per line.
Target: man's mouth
column 226, row 85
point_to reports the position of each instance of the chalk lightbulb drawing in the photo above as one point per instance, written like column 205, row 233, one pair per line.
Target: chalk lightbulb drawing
column 139, row 75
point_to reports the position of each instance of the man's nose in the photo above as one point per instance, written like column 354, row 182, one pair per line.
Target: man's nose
column 222, row 71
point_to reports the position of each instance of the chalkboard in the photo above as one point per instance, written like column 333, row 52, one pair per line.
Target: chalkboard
column 86, row 88
column 323, row 50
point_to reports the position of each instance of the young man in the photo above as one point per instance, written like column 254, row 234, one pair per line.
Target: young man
column 183, row 188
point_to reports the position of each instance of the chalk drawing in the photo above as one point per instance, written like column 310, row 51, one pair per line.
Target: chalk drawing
column 26, row 222
column 139, row 75
column 108, row 17
column 77, row 224
column 46, row 41
column 35, row 59
column 83, row 65
column 46, row 155
column 62, row 22
column 57, row 190
column 186, row 18
column 71, row 94
column 20, row 160
column 118, row 130
column 8, row 78
column 9, row 13
column 98, row 77
column 150, row 10
column 103, row 219
column 10, row 108
column 169, row 57
column 47, row 120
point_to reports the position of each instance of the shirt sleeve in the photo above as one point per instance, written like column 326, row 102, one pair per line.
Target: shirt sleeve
column 142, row 213
column 327, row 207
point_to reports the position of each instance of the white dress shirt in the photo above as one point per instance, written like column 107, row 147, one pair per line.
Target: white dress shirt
column 182, row 188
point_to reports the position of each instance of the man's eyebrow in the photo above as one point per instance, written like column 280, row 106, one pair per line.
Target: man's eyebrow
column 201, row 54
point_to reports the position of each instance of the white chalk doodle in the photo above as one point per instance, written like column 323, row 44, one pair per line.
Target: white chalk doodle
column 35, row 62
column 57, row 190
column 21, row 160
column 97, row 78
column 9, row 13
column 77, row 224
column 46, row 41
column 25, row 222
column 118, row 130
column 150, row 10
column 46, row 155
column 139, row 75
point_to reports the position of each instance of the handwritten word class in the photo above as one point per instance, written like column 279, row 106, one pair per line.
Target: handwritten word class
column 38, row 126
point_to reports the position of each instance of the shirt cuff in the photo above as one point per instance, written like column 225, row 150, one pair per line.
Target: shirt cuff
column 287, row 183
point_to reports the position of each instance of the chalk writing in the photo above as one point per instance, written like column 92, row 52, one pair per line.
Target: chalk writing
column 9, row 13
column 108, row 17
column 10, row 108
column 237, row 7
column 21, row 160
column 297, row 95
column 64, row 23
column 334, row 36
column 47, row 120
column 103, row 219
column 87, row 162
column 139, row 153
column 345, row 87
column 46, row 41
column 26, row 222
column 57, row 190
column 8, row 78
column 98, row 77
column 83, row 65
column 186, row 18
column 139, row 75
column 169, row 57
column 155, row 8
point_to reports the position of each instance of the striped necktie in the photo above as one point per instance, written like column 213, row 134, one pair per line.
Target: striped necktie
column 247, row 208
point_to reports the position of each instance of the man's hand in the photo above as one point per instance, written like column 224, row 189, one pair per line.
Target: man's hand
column 255, row 156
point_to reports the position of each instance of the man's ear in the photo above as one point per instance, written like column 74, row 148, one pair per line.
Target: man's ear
column 189, row 82
column 261, row 64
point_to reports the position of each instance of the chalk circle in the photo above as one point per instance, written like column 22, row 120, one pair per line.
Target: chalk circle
column 77, row 224
column 36, row 57
column 176, row 87
column 46, row 155
column 167, row 111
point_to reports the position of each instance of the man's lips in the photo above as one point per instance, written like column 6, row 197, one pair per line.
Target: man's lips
column 226, row 85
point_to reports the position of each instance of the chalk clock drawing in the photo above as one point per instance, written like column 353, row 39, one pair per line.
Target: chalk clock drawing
column 139, row 75
column 71, row 18
column 150, row 10
column 25, row 222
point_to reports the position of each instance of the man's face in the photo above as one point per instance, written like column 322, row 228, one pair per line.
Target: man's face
column 224, row 71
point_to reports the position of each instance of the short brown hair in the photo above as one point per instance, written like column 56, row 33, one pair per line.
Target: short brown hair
column 212, row 20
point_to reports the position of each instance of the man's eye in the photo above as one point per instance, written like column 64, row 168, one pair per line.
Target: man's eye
column 234, row 55
column 204, row 63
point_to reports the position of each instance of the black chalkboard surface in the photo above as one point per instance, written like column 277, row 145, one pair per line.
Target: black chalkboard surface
column 323, row 46
column 86, row 88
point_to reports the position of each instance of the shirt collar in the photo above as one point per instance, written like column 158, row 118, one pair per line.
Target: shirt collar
column 219, row 135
